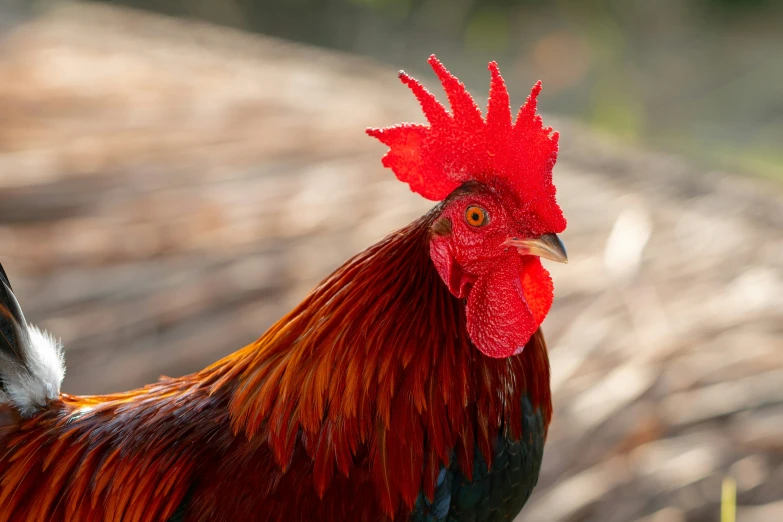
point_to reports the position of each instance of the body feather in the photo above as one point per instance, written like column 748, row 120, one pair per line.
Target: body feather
column 348, row 408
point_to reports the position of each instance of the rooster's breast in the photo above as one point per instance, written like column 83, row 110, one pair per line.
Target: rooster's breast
column 495, row 493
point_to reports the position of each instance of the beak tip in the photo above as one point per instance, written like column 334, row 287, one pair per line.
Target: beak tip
column 557, row 248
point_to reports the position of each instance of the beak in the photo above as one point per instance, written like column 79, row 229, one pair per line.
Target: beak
column 547, row 246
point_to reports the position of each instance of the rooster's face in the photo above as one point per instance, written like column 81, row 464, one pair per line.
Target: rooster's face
column 486, row 246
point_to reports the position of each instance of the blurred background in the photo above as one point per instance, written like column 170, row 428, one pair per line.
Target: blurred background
column 175, row 175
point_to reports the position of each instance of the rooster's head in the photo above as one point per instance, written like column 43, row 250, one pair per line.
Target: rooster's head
column 498, row 214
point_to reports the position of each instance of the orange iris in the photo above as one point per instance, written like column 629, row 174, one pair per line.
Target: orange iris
column 476, row 216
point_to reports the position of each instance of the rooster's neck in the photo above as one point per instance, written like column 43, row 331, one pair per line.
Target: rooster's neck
column 381, row 346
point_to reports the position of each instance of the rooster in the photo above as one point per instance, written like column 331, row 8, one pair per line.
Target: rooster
column 411, row 384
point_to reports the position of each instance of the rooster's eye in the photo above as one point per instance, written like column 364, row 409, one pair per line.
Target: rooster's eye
column 476, row 216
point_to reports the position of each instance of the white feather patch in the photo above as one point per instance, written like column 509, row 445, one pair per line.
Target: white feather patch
column 32, row 389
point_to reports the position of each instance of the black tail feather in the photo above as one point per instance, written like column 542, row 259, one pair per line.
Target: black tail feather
column 12, row 322
column 4, row 276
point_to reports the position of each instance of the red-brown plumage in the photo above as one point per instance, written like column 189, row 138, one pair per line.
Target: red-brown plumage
column 120, row 457
column 359, row 417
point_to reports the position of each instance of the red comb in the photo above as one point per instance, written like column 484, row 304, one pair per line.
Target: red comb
column 463, row 146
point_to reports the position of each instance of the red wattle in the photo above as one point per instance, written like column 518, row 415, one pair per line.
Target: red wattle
column 537, row 287
column 499, row 320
